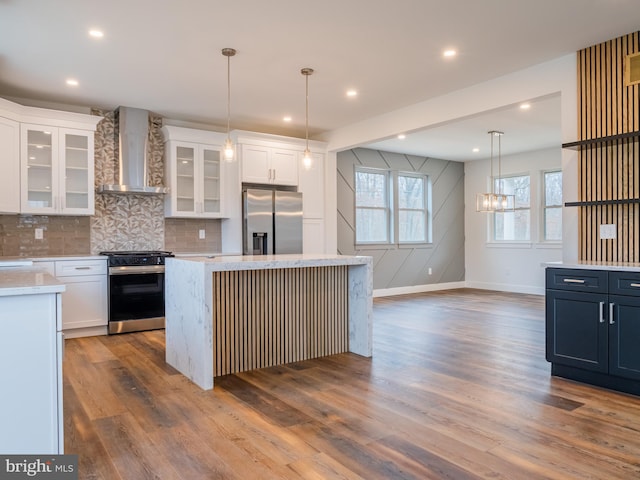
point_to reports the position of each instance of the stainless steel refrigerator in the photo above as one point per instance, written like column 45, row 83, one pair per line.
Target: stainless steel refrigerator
column 272, row 221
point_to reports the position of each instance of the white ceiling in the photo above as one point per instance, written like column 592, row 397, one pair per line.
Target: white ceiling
column 164, row 56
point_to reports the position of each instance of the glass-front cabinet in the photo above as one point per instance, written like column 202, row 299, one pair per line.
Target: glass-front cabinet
column 194, row 173
column 57, row 171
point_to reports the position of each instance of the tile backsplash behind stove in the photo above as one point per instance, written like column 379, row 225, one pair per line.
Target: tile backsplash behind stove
column 121, row 222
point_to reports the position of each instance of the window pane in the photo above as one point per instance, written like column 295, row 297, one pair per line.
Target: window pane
column 411, row 226
column 553, row 188
column 371, row 225
column 553, row 223
column 410, row 192
column 371, row 189
column 512, row 226
column 517, row 186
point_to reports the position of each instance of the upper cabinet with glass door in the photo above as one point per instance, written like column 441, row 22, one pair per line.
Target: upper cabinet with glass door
column 194, row 173
column 57, row 170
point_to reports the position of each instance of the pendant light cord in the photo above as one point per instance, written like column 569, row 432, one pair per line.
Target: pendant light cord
column 228, row 94
column 306, row 115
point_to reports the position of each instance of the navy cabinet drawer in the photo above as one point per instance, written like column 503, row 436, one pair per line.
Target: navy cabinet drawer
column 577, row 280
column 624, row 283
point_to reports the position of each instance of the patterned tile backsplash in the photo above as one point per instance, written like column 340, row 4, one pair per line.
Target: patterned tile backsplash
column 121, row 222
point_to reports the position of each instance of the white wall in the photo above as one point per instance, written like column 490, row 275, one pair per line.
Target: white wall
column 553, row 77
column 513, row 267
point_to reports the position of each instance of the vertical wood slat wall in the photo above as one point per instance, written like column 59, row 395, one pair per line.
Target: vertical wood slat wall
column 263, row 318
column 608, row 171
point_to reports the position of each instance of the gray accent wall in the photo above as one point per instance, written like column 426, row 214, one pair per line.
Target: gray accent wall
column 408, row 265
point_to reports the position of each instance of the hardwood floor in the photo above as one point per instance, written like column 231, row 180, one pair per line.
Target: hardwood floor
column 458, row 388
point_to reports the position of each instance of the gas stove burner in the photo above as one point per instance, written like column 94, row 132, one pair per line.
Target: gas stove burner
column 138, row 253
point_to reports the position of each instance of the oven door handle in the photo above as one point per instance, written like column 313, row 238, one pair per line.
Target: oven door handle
column 136, row 270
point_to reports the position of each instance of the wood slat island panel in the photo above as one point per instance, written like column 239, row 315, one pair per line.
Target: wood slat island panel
column 271, row 317
column 238, row 313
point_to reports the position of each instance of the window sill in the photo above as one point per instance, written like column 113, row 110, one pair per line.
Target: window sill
column 391, row 246
column 527, row 245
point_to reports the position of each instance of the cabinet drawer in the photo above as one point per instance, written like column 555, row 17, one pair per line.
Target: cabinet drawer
column 624, row 283
column 577, row 280
column 73, row 268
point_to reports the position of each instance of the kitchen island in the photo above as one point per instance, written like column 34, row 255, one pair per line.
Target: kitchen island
column 230, row 314
column 30, row 360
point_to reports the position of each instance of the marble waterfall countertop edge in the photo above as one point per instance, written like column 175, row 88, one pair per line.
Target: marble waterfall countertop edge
column 258, row 262
column 28, row 281
column 593, row 265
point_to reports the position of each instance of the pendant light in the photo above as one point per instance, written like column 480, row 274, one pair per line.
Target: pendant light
column 228, row 144
column 495, row 201
column 307, row 160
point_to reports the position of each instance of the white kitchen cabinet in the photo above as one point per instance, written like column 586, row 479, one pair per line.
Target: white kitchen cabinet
column 269, row 165
column 10, row 162
column 57, row 170
column 194, row 173
column 31, row 349
column 85, row 301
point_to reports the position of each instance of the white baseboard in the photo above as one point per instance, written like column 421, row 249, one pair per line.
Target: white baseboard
column 388, row 292
column 506, row 287
column 85, row 332
column 499, row 287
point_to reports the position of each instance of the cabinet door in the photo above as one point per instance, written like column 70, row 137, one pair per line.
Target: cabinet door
column 10, row 161
column 210, row 182
column 577, row 329
column 624, row 337
column 76, row 172
column 284, row 167
column 39, row 177
column 256, row 164
column 183, row 184
column 84, row 302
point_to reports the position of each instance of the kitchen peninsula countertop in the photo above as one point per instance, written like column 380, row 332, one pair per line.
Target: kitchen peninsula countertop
column 226, row 314
column 584, row 265
column 27, row 281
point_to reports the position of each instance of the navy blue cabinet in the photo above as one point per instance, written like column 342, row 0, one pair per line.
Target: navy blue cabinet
column 593, row 326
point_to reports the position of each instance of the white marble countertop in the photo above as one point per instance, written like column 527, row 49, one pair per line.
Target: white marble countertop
column 54, row 258
column 27, row 281
column 257, row 262
column 584, row 265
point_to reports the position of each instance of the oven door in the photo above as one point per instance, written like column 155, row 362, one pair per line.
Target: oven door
column 136, row 298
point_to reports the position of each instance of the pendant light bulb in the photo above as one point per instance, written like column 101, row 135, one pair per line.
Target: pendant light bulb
column 229, row 151
column 307, row 160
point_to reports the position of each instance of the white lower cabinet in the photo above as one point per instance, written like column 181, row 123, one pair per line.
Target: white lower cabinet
column 31, row 372
column 84, row 302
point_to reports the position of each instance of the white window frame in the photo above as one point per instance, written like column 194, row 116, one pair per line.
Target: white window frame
column 424, row 209
column 387, row 207
column 393, row 209
column 544, row 207
column 493, row 238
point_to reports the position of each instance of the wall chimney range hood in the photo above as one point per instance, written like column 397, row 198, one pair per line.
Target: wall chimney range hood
column 131, row 134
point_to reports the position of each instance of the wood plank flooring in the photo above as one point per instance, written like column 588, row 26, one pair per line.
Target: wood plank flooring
column 458, row 388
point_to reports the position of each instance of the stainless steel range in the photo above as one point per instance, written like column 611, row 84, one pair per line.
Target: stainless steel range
column 136, row 290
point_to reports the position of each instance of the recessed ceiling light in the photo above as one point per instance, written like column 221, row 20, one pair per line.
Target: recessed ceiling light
column 286, row 119
column 525, row 106
column 95, row 33
column 449, row 53
column 352, row 93
column 402, row 136
column 72, row 82
column 476, row 150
